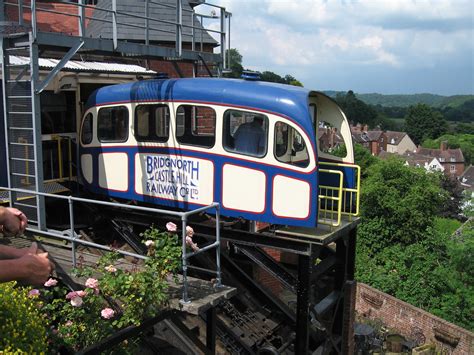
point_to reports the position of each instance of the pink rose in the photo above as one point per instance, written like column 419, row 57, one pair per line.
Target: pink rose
column 81, row 293
column 149, row 243
column 68, row 323
column 77, row 301
column 189, row 231
column 107, row 313
column 171, row 227
column 51, row 282
column 34, row 293
column 110, row 268
column 92, row 283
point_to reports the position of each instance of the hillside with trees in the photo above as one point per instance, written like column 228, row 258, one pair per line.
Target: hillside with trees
column 406, row 249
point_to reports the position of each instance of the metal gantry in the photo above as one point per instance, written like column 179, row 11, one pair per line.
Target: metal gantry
column 22, row 35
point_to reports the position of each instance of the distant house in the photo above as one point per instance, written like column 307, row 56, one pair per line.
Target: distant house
column 416, row 160
column 375, row 141
column 399, row 142
column 329, row 138
column 451, row 159
column 467, row 179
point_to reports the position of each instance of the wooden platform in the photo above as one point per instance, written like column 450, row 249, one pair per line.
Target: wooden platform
column 51, row 187
column 202, row 294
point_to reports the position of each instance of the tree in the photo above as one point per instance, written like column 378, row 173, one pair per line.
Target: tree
column 356, row 110
column 398, row 203
column 235, row 59
column 422, row 122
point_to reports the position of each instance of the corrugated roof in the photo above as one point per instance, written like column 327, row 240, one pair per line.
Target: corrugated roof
column 80, row 66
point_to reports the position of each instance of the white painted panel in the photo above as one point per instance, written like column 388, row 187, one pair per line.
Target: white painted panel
column 86, row 166
column 291, row 197
column 113, row 171
column 243, row 189
column 175, row 177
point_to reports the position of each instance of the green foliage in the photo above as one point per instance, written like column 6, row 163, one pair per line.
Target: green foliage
column 422, row 122
column 235, row 60
column 356, row 110
column 275, row 78
column 414, row 99
column 446, row 226
column 118, row 298
column 463, row 141
column 22, row 326
column 402, row 199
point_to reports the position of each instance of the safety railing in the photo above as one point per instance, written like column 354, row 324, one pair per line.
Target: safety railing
column 338, row 199
column 60, row 159
column 71, row 236
column 85, row 13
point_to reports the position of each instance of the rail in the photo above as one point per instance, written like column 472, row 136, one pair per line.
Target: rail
column 335, row 201
column 85, row 13
column 74, row 238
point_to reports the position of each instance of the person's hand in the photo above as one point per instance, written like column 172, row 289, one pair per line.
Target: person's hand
column 36, row 268
column 14, row 221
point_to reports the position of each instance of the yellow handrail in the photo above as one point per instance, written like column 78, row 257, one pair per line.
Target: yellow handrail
column 345, row 196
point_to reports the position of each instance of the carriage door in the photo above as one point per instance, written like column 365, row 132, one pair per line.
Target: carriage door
column 291, row 190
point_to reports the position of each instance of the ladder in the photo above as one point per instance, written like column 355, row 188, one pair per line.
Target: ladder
column 22, row 121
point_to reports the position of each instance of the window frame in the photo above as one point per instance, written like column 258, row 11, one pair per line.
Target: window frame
column 91, row 130
column 225, row 134
column 291, row 163
column 193, row 127
column 152, row 136
column 127, row 123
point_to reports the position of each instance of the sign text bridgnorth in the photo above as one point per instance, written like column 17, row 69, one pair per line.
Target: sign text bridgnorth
column 172, row 177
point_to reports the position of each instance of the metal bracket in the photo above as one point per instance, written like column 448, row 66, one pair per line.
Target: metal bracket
column 59, row 66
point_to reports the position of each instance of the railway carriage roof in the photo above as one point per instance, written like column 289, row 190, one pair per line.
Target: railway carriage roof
column 285, row 100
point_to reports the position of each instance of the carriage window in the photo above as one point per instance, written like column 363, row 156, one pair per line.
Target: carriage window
column 112, row 124
column 152, row 123
column 196, row 125
column 245, row 133
column 290, row 146
column 86, row 134
column 330, row 140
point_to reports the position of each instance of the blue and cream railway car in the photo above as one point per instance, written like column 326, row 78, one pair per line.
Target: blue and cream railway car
column 262, row 150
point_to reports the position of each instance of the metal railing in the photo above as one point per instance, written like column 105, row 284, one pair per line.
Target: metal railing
column 335, row 201
column 71, row 236
column 196, row 29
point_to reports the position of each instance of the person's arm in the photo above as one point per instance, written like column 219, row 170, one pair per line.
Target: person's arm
column 33, row 269
column 7, row 252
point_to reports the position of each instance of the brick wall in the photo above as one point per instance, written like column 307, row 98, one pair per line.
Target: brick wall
column 413, row 322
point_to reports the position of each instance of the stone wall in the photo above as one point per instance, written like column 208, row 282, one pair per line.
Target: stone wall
column 412, row 322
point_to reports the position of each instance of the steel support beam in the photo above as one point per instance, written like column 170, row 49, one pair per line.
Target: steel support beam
column 305, row 265
column 59, row 66
column 211, row 329
column 36, row 121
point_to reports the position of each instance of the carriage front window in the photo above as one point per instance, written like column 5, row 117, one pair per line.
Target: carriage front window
column 86, row 134
column 290, row 146
column 196, row 125
column 245, row 133
column 152, row 123
column 112, row 124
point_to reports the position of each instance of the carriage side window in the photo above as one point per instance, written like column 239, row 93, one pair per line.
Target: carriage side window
column 196, row 125
column 245, row 133
column 112, row 124
column 152, row 123
column 86, row 134
column 290, row 147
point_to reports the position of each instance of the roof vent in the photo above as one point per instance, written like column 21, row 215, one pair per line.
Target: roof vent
column 162, row 75
column 250, row 75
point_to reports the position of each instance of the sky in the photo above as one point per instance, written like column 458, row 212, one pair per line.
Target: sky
column 382, row 46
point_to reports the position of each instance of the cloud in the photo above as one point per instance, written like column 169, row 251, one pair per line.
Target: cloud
column 347, row 38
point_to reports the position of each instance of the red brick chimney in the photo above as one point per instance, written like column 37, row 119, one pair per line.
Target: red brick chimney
column 443, row 145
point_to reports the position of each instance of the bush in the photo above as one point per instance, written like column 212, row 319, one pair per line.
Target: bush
column 22, row 325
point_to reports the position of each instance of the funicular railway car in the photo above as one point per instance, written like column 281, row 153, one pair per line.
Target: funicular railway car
column 254, row 147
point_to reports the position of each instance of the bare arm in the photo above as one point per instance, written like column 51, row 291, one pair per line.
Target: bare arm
column 12, row 220
column 33, row 269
